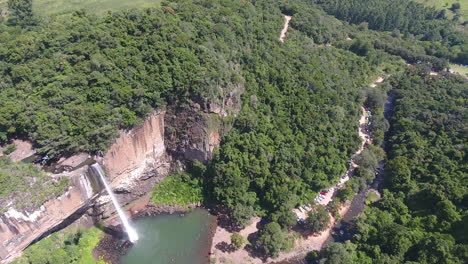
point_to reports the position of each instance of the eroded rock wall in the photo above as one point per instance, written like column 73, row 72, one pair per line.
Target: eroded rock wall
column 136, row 152
column 136, row 161
column 18, row 228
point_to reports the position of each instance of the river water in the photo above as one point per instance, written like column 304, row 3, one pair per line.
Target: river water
column 168, row 239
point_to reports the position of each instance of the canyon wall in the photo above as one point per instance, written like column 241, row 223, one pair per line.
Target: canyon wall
column 18, row 228
column 137, row 160
column 135, row 163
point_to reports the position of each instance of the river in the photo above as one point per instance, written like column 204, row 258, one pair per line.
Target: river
column 343, row 230
column 172, row 239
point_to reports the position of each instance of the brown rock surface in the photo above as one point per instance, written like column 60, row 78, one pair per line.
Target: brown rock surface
column 18, row 229
column 137, row 151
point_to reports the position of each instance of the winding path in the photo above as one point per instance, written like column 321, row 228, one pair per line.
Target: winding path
column 285, row 28
column 303, row 244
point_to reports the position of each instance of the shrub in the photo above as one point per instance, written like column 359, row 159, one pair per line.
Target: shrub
column 237, row 240
column 9, row 149
column 179, row 189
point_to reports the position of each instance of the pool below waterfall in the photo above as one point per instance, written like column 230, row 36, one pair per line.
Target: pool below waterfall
column 174, row 238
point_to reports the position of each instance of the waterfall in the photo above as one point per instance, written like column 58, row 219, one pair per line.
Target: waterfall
column 131, row 232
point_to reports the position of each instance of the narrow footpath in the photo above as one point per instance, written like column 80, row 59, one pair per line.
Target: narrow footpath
column 285, row 28
column 222, row 237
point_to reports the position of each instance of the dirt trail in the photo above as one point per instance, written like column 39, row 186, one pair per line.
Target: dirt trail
column 379, row 80
column 303, row 245
column 285, row 28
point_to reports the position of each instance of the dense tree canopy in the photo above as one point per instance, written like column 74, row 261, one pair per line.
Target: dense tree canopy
column 424, row 205
column 69, row 83
column 408, row 17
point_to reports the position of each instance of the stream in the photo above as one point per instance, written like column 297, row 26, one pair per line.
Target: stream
column 343, row 230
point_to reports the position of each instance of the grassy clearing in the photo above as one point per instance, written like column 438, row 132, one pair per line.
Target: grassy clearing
column 177, row 189
column 73, row 246
column 99, row 7
column 446, row 4
column 463, row 70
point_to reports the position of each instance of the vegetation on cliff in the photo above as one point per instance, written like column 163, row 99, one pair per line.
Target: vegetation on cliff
column 27, row 186
column 68, row 247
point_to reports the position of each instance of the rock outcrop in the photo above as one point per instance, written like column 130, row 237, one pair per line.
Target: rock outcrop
column 136, row 152
column 136, row 161
column 192, row 134
column 19, row 228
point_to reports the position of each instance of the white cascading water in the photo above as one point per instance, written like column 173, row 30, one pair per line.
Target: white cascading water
column 131, row 232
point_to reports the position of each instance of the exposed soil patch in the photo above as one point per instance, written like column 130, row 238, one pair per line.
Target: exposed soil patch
column 24, row 149
column 285, row 28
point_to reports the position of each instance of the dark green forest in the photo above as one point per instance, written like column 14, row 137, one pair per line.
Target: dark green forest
column 423, row 215
column 70, row 83
column 413, row 20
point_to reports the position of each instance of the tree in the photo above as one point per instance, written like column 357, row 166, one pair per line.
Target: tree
column 317, row 218
column 397, row 172
column 375, row 98
column 273, row 240
column 284, row 217
column 455, row 6
column 237, row 240
column 368, row 158
column 20, row 12
column 360, row 47
column 339, row 253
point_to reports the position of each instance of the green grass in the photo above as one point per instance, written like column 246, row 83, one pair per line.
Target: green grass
column 72, row 246
column 177, row 189
column 463, row 70
column 99, row 7
column 446, row 4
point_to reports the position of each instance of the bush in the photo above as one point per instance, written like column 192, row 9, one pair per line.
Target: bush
column 237, row 240
column 455, row 6
column 318, row 218
column 179, row 189
column 9, row 149
column 74, row 246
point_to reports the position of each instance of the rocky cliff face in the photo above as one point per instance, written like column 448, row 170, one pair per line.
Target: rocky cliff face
column 18, row 228
column 136, row 161
column 137, row 151
column 192, row 134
